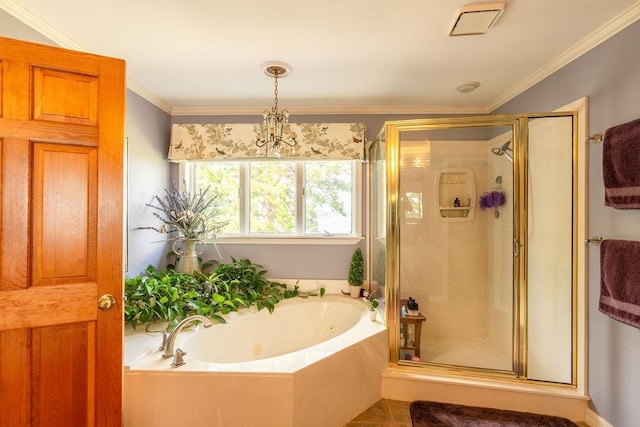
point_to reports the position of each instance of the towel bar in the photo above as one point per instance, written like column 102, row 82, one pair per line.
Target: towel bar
column 595, row 239
column 595, row 137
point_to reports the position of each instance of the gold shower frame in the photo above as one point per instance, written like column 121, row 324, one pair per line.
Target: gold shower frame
column 519, row 125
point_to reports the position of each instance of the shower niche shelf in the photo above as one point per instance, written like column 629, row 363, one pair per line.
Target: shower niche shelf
column 455, row 193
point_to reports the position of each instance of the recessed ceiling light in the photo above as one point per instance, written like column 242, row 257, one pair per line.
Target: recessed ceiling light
column 468, row 87
column 476, row 18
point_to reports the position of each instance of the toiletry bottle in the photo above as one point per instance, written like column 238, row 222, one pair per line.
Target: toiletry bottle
column 403, row 312
column 456, row 203
column 412, row 306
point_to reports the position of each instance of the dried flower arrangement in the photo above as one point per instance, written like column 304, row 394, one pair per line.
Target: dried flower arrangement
column 191, row 216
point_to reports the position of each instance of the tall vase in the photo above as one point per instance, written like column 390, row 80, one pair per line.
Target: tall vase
column 187, row 257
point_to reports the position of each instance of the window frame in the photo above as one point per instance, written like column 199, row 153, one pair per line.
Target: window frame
column 186, row 172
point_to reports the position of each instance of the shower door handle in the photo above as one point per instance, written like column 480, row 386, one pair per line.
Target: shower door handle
column 516, row 248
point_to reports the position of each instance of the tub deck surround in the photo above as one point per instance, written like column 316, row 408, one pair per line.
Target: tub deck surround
column 325, row 384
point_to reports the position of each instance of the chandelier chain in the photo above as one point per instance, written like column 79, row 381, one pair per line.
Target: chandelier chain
column 275, row 91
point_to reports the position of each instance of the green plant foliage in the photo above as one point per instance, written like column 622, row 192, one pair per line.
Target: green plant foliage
column 159, row 295
column 356, row 269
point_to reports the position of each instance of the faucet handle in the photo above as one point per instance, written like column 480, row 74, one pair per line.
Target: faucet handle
column 164, row 340
column 178, row 360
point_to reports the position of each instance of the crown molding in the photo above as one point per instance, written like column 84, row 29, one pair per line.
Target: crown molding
column 615, row 25
column 337, row 109
column 137, row 88
column 24, row 15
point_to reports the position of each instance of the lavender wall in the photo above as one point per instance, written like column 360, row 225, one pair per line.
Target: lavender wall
column 610, row 76
column 15, row 29
column 147, row 130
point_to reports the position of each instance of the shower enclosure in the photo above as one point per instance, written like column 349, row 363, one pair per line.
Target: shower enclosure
column 478, row 220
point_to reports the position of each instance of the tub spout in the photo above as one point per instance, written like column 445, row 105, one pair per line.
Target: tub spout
column 171, row 340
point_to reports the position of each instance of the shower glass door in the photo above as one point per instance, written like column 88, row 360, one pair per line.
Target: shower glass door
column 456, row 243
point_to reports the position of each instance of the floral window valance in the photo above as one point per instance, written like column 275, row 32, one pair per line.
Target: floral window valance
column 330, row 141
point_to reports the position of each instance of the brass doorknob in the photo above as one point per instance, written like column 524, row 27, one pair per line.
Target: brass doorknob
column 106, row 301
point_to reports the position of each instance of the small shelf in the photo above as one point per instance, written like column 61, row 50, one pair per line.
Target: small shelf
column 454, row 212
column 455, row 192
column 405, row 324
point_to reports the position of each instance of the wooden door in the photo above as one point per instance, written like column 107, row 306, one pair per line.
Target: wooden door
column 61, row 198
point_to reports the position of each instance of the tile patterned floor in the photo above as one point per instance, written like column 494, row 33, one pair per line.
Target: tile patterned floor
column 384, row 413
column 390, row 413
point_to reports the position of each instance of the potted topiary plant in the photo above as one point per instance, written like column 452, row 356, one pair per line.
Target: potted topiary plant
column 356, row 273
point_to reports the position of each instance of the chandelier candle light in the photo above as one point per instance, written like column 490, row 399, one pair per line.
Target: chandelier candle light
column 276, row 122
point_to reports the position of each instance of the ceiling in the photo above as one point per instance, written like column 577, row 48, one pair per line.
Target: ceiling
column 353, row 56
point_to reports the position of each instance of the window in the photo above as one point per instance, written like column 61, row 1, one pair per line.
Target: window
column 283, row 198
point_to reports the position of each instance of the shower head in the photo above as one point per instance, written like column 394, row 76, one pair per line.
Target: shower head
column 505, row 150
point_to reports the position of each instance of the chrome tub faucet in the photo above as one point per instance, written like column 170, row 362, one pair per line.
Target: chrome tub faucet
column 168, row 343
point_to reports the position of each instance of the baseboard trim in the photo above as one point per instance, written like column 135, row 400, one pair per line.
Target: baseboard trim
column 595, row 420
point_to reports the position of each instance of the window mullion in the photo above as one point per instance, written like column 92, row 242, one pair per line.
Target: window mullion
column 357, row 201
column 244, row 197
column 185, row 176
column 300, row 198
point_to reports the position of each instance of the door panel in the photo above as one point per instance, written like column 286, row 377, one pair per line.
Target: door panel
column 61, row 191
column 1, row 80
column 65, row 97
column 64, row 233
column 59, row 375
column 14, row 401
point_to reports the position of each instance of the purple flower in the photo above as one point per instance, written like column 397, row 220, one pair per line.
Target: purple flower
column 492, row 200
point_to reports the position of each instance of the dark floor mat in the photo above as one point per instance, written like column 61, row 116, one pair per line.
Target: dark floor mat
column 432, row 414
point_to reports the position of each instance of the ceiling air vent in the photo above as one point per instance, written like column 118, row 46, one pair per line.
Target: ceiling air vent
column 476, row 18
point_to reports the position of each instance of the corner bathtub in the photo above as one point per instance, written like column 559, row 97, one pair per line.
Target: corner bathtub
column 312, row 362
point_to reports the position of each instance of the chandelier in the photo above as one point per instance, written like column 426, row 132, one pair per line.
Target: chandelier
column 276, row 122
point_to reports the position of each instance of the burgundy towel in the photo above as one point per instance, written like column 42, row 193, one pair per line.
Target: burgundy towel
column 620, row 280
column 621, row 166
